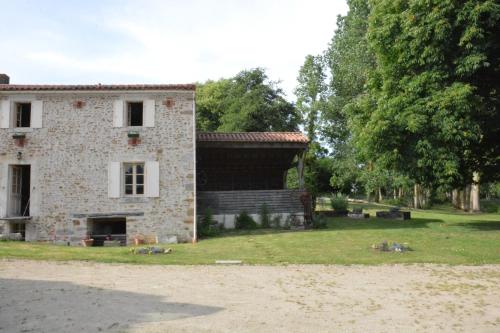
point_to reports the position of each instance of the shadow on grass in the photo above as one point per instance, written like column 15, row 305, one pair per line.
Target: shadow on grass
column 374, row 223
column 68, row 307
column 480, row 225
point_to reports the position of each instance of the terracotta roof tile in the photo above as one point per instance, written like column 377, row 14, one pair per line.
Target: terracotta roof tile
column 253, row 137
column 94, row 87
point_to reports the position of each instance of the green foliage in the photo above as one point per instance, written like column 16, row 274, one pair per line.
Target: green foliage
column 246, row 102
column 319, row 222
column 339, row 203
column 265, row 218
column 310, row 93
column 399, row 202
column 490, row 206
column 491, row 190
column 207, row 227
column 346, row 171
column 276, row 221
column 244, row 221
column 431, row 115
column 350, row 61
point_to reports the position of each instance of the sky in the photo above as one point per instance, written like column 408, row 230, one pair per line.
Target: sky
column 169, row 41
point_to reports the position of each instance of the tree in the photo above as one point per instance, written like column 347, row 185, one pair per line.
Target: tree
column 428, row 113
column 245, row 103
column 350, row 61
column 310, row 93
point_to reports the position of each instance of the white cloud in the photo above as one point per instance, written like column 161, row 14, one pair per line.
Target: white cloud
column 170, row 41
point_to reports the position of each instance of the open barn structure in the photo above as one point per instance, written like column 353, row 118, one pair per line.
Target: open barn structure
column 239, row 172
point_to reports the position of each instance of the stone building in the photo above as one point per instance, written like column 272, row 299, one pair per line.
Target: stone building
column 122, row 161
column 97, row 159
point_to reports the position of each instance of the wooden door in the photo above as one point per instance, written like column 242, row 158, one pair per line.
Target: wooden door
column 15, row 191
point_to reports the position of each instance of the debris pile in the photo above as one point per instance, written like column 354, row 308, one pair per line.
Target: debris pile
column 395, row 247
column 150, row 250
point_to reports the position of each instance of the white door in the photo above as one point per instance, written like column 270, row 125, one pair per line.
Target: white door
column 15, row 191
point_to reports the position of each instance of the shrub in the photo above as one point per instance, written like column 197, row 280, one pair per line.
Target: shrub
column 490, row 207
column 207, row 226
column 244, row 221
column 265, row 219
column 396, row 202
column 276, row 221
column 339, row 203
column 319, row 222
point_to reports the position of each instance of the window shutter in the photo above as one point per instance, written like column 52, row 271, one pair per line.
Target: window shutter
column 152, row 186
column 118, row 113
column 114, row 176
column 36, row 114
column 4, row 114
column 149, row 113
column 3, row 189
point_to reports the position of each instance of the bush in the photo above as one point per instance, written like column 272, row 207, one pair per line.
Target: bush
column 276, row 221
column 396, row 202
column 339, row 203
column 319, row 222
column 265, row 219
column 244, row 221
column 207, row 226
column 490, row 206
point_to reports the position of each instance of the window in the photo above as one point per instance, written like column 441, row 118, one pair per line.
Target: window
column 134, row 178
column 22, row 115
column 134, row 113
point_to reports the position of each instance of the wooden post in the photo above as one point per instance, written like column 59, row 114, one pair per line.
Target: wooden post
column 300, row 169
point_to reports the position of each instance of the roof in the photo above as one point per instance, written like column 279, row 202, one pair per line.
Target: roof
column 94, row 87
column 261, row 137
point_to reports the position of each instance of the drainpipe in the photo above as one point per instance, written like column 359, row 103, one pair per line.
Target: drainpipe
column 195, row 238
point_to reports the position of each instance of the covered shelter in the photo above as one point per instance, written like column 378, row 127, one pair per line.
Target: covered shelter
column 243, row 171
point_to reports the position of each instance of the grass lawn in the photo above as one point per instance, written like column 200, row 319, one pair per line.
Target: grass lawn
column 437, row 236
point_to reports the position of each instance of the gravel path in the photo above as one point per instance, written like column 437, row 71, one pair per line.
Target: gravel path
column 38, row 296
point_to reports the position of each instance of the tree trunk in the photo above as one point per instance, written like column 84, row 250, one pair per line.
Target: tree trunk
column 466, row 198
column 460, row 199
column 400, row 194
column 455, row 200
column 394, row 194
column 474, row 193
column 380, row 196
column 416, row 196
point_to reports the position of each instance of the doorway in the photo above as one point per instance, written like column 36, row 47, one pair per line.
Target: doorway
column 20, row 184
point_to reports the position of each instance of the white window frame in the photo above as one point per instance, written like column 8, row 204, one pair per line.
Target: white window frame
column 134, row 179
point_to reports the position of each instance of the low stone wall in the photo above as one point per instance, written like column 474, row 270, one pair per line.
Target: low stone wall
column 228, row 220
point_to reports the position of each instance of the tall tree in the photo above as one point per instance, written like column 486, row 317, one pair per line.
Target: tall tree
column 245, row 103
column 435, row 89
column 310, row 93
column 350, row 61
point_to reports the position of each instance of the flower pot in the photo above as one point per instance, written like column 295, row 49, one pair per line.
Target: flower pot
column 88, row 242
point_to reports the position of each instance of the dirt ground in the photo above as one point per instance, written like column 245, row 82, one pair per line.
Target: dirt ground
column 37, row 296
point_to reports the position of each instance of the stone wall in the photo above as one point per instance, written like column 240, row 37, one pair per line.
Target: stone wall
column 69, row 158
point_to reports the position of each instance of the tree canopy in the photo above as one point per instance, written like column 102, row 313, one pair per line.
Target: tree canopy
column 247, row 102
